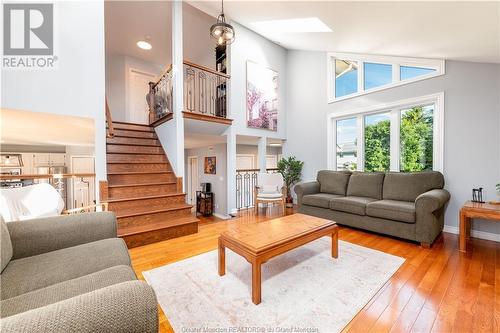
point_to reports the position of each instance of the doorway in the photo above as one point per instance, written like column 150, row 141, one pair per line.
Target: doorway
column 82, row 189
column 138, row 88
column 193, row 179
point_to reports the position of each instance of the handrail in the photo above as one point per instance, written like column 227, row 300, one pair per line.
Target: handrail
column 206, row 69
column 110, row 132
column 248, row 170
column 163, row 74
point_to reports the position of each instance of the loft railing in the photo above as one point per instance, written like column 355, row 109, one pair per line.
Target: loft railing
column 160, row 97
column 205, row 90
column 204, row 93
column 246, row 180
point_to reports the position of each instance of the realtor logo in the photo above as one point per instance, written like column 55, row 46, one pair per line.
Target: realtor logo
column 28, row 35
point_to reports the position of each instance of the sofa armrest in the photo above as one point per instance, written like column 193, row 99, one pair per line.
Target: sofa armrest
column 43, row 235
column 432, row 200
column 429, row 208
column 125, row 307
column 305, row 189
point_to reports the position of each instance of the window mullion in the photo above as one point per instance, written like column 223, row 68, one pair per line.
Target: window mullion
column 361, row 77
column 395, row 142
column 396, row 71
column 360, row 126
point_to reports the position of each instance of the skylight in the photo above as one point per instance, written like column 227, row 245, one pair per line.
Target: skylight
column 309, row 24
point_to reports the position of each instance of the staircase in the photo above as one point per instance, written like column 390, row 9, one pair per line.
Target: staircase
column 143, row 190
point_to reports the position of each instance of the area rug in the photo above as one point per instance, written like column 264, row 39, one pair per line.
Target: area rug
column 304, row 290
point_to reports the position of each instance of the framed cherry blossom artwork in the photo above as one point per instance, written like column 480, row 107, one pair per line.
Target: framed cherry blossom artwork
column 262, row 97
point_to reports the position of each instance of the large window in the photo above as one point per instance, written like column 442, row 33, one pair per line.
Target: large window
column 416, row 138
column 351, row 75
column 346, row 77
column 347, row 144
column 377, row 142
column 404, row 136
column 410, row 72
column 377, row 75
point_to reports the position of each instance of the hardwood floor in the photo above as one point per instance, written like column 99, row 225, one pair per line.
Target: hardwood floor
column 435, row 290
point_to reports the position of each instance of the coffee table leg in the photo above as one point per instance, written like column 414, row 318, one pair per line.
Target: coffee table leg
column 335, row 243
column 256, row 281
column 222, row 259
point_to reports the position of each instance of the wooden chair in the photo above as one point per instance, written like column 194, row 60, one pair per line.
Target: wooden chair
column 270, row 189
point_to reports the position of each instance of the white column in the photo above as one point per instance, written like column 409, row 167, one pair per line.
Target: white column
column 262, row 153
column 231, row 170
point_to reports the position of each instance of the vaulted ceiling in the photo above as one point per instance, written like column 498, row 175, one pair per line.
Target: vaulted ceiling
column 468, row 31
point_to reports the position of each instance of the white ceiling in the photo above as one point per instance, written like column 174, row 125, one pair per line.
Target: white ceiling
column 127, row 22
column 468, row 31
column 36, row 128
column 193, row 140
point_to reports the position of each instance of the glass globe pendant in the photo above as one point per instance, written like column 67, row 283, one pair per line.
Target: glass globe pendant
column 221, row 31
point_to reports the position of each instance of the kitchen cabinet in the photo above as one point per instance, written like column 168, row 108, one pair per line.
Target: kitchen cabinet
column 41, row 159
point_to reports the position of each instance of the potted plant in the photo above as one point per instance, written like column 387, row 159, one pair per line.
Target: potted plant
column 291, row 170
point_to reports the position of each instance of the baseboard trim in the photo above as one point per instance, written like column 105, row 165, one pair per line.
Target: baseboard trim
column 474, row 233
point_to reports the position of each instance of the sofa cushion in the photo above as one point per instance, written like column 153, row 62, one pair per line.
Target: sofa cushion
column 408, row 186
column 353, row 205
column 40, row 271
column 319, row 199
column 403, row 211
column 333, row 182
column 66, row 289
column 6, row 245
column 366, row 184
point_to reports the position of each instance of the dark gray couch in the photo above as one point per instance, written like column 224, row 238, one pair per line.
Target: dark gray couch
column 405, row 205
column 71, row 274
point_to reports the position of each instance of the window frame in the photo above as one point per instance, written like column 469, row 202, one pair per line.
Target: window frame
column 396, row 62
column 394, row 109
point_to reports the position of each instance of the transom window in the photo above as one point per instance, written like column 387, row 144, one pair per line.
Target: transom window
column 353, row 75
column 405, row 136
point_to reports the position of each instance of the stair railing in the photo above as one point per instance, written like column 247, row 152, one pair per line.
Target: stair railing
column 110, row 131
column 160, row 97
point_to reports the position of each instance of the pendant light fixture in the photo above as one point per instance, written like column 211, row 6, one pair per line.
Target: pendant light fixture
column 223, row 32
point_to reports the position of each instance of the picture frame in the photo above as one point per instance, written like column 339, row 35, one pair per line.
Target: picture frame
column 262, row 97
column 210, row 165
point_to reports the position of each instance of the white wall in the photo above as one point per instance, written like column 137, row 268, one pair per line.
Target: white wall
column 219, row 180
column 472, row 122
column 117, row 81
column 199, row 47
column 76, row 87
column 250, row 46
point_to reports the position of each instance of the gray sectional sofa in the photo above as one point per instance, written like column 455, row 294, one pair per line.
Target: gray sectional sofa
column 71, row 274
column 405, row 205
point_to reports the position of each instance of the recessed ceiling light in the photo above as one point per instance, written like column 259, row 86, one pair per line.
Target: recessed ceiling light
column 144, row 45
column 275, row 144
column 308, row 24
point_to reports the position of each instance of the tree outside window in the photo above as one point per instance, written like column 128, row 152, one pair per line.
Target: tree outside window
column 416, row 139
column 377, row 142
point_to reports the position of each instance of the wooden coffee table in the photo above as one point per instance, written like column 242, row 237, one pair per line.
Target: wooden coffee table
column 260, row 241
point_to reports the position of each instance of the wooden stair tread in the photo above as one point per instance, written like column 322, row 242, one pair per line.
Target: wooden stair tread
column 171, row 208
column 137, row 172
column 133, row 153
column 137, row 162
column 147, row 197
column 147, row 130
column 142, row 184
column 133, row 144
column 132, row 230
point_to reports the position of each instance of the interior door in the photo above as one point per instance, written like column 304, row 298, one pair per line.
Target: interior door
column 193, row 181
column 245, row 162
column 271, row 161
column 82, row 189
column 138, row 88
